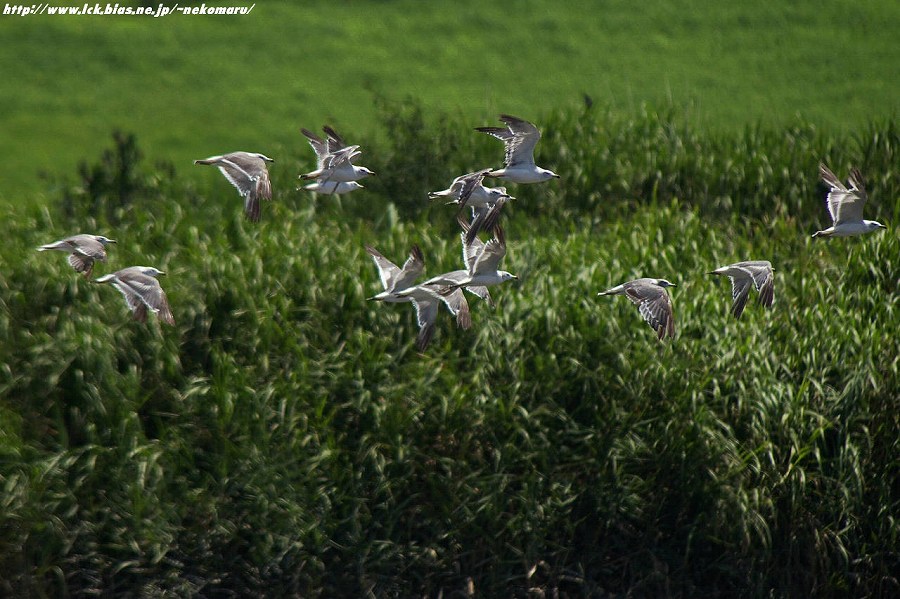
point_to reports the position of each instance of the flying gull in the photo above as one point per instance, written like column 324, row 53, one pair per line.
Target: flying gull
column 334, row 158
column 652, row 300
column 468, row 190
column 757, row 273
column 83, row 250
column 247, row 172
column 425, row 299
column 142, row 291
column 481, row 260
column 520, row 137
column 846, row 206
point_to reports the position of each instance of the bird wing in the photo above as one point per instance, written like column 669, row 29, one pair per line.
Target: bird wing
column 87, row 246
column 485, row 219
column 147, row 290
column 387, row 270
column 459, row 307
column 482, row 292
column 491, row 253
column 455, row 301
column 426, row 314
column 335, row 141
column 520, row 149
column 468, row 184
column 765, row 284
column 471, row 249
column 844, row 205
column 319, row 146
column 131, row 299
column 740, row 291
column 655, row 307
column 341, row 157
column 237, row 176
column 412, row 269
column 81, row 263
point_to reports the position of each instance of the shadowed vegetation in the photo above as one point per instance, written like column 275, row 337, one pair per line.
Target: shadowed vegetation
column 285, row 437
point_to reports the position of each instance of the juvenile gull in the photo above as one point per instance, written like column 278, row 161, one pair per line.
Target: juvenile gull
column 846, row 206
column 652, row 300
column 142, row 291
column 83, row 250
column 520, row 137
column 424, row 298
column 481, row 260
column 247, row 172
column 757, row 273
column 334, row 158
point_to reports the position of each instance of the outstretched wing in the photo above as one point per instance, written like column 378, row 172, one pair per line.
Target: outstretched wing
column 426, row 314
column 387, row 270
column 525, row 137
column 491, row 253
column 412, row 270
column 740, row 291
column 655, row 307
column 844, row 205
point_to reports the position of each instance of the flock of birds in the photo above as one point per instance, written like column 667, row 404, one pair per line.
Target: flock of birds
column 336, row 174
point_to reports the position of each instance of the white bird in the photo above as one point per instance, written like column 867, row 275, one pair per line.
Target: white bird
column 652, row 300
column 468, row 190
column 247, row 172
column 142, row 291
column 846, row 206
column 83, row 250
column 425, row 299
column 332, row 187
column 334, row 158
column 520, row 137
column 743, row 275
column 395, row 279
column 481, row 260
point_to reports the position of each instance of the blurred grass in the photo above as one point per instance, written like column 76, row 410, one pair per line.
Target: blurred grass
column 286, row 439
column 194, row 86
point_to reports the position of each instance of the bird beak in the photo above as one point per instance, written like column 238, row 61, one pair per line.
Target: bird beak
column 162, row 273
column 112, row 241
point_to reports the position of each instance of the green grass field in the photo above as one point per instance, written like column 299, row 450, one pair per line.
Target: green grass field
column 286, row 439
column 193, row 86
